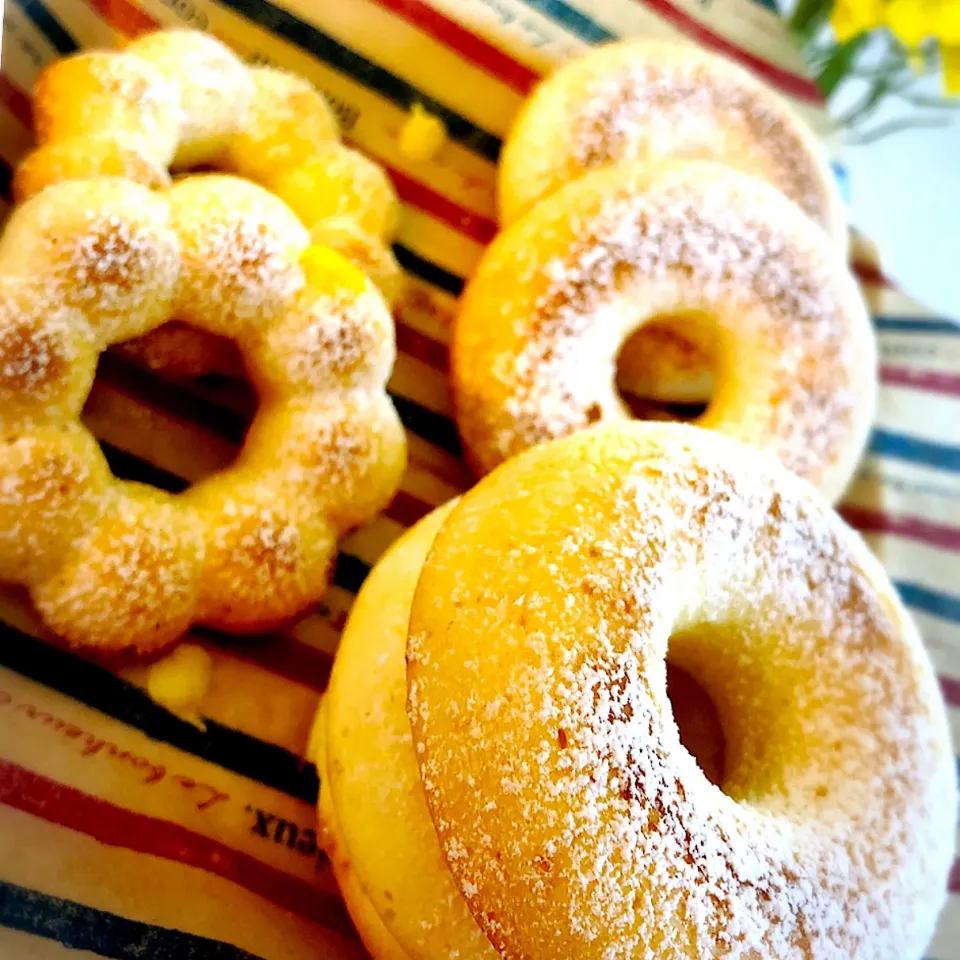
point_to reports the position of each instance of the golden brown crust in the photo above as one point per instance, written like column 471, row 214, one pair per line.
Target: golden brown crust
column 180, row 97
column 114, row 565
column 557, row 294
column 572, row 817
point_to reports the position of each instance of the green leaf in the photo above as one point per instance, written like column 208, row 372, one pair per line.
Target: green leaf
column 931, row 101
column 809, row 15
column 896, row 126
column 840, row 64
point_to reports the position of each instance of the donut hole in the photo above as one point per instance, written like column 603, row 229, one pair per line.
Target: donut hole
column 180, row 350
column 664, row 369
column 698, row 722
column 165, row 433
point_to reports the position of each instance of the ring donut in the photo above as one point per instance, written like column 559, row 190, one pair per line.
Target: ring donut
column 113, row 565
column 557, row 294
column 376, row 825
column 661, row 100
column 178, row 99
column 569, row 813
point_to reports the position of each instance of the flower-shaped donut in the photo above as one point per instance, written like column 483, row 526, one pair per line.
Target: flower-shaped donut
column 180, row 98
column 112, row 564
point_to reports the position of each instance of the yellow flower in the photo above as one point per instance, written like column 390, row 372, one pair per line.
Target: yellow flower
column 951, row 69
column 850, row 18
column 948, row 23
column 913, row 20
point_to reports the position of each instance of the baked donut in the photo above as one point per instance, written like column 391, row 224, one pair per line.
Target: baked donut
column 569, row 813
column 108, row 94
column 182, row 98
column 373, row 811
column 557, row 294
column 113, row 565
column 660, row 100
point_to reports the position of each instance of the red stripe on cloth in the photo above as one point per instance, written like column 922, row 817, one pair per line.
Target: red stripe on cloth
column 870, row 273
column 953, row 881
column 932, row 380
column 407, row 509
column 457, row 37
column 124, row 16
column 784, row 80
column 418, row 345
column 873, row 521
column 284, row 656
column 115, row 826
column 16, row 101
column 951, row 690
column 473, row 225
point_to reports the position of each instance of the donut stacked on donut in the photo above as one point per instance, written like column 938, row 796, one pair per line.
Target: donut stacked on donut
column 178, row 99
column 113, row 565
column 659, row 100
column 558, row 293
column 518, row 786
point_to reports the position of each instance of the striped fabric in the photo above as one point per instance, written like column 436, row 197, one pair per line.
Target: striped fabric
column 126, row 832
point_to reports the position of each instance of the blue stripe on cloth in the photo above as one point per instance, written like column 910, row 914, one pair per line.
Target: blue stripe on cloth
column 310, row 38
column 48, row 25
column 80, row 927
column 572, row 19
column 917, row 325
column 98, row 688
column 929, row 601
column 426, row 270
column 6, row 176
column 885, row 443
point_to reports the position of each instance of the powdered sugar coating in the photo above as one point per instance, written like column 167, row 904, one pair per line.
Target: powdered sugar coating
column 287, row 122
column 214, row 89
column 86, row 157
column 325, row 340
column 571, row 816
column 558, row 293
column 656, row 100
column 342, row 451
column 118, row 566
column 265, row 554
column 53, row 485
column 240, row 250
column 48, row 353
column 131, row 581
column 97, row 92
column 106, row 247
